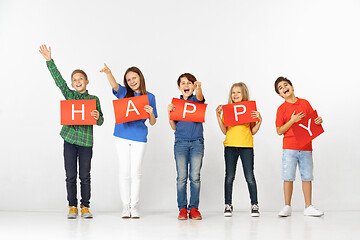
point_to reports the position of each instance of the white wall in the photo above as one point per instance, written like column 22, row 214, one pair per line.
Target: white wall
column 313, row 43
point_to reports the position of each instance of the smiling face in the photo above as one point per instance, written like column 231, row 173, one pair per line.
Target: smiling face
column 133, row 80
column 236, row 94
column 285, row 90
column 79, row 82
column 186, row 87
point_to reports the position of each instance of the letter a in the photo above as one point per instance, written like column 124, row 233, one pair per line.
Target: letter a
column 307, row 128
column 239, row 113
column 133, row 109
column 192, row 111
column 82, row 111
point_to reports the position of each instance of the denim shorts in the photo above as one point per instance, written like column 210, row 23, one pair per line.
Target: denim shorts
column 291, row 158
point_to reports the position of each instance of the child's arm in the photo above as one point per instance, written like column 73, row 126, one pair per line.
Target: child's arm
column 221, row 124
column 255, row 126
column 60, row 82
column 110, row 77
column 294, row 119
column 150, row 110
column 171, row 108
column 198, row 91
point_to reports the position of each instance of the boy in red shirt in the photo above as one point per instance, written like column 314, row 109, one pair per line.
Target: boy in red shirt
column 290, row 112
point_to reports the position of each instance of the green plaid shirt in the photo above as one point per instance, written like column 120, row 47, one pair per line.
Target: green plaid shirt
column 81, row 135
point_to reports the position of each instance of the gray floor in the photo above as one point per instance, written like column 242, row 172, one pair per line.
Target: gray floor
column 106, row 225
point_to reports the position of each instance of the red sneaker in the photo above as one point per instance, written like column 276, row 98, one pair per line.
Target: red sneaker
column 195, row 214
column 183, row 214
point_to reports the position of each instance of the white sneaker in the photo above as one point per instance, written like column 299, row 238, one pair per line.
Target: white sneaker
column 228, row 210
column 134, row 212
column 125, row 212
column 312, row 211
column 285, row 211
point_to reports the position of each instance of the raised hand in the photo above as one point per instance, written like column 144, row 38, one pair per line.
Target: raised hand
column 45, row 52
column 106, row 69
column 256, row 114
column 318, row 120
column 219, row 111
column 297, row 117
column 148, row 109
column 171, row 108
column 197, row 85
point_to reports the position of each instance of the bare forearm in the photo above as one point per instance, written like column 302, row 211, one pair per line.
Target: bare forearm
column 284, row 128
column 199, row 94
column 152, row 119
column 112, row 82
column 221, row 125
column 172, row 124
column 256, row 127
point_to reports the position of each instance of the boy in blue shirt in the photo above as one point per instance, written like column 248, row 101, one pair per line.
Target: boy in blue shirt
column 188, row 150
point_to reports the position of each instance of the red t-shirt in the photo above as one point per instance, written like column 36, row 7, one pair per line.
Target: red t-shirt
column 283, row 115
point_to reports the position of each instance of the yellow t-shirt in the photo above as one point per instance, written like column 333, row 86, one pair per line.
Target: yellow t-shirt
column 239, row 136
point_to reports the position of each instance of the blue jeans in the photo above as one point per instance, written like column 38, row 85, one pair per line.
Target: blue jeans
column 72, row 153
column 188, row 158
column 247, row 159
column 291, row 158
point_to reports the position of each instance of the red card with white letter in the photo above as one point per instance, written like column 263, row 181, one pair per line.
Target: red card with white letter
column 130, row 109
column 188, row 111
column 239, row 113
column 306, row 130
column 77, row 112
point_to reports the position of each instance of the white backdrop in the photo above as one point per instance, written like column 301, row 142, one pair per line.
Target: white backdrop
column 313, row 43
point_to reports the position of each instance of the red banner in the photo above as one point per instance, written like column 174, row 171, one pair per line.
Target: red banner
column 306, row 130
column 188, row 111
column 239, row 113
column 77, row 112
column 130, row 109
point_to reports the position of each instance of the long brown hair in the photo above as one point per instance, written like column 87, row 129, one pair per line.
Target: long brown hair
column 129, row 91
column 244, row 92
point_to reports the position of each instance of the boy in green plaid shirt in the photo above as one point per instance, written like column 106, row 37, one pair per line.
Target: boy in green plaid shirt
column 78, row 139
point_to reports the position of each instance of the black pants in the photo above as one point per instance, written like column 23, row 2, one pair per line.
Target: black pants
column 72, row 153
column 247, row 159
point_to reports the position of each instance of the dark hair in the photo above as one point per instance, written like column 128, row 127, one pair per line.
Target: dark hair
column 78, row 71
column 281, row 79
column 129, row 91
column 189, row 77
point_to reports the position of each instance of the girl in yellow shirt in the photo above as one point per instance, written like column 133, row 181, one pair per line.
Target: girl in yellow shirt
column 239, row 142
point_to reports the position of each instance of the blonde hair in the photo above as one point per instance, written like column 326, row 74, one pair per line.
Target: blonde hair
column 244, row 92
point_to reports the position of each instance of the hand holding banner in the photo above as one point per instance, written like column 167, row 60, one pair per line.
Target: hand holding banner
column 239, row 113
column 77, row 112
column 306, row 129
column 130, row 109
column 188, row 111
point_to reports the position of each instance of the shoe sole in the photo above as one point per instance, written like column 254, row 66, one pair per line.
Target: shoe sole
column 71, row 217
column 87, row 216
column 255, row 214
column 312, row 215
column 282, row 215
column 136, row 217
column 199, row 218
column 125, row 217
column 182, row 218
column 227, row 215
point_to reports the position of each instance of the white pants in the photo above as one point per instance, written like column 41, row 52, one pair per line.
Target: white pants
column 131, row 154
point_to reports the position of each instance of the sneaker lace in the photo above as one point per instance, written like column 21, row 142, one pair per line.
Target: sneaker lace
column 227, row 207
column 85, row 210
column 72, row 210
column 255, row 207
